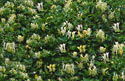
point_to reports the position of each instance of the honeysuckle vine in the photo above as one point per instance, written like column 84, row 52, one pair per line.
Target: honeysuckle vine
column 62, row 40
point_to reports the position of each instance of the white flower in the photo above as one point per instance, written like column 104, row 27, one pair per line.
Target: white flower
column 116, row 27
column 37, row 54
column 10, row 47
column 40, row 6
column 105, row 57
column 117, row 48
column 102, row 49
column 62, row 48
column 70, row 26
column 63, row 30
column 34, row 26
column 111, row 15
column 74, row 54
column 101, row 5
column 20, row 38
column 89, row 31
column 123, row 76
column 68, row 34
column 69, row 68
column 79, row 27
column 101, row 35
column 92, row 70
column 115, row 77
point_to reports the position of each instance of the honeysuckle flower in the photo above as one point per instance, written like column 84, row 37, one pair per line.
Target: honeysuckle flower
column 37, row 54
column 101, row 5
column 79, row 27
column 67, row 5
column 2, row 9
column 22, row 7
column 74, row 54
column 51, row 68
column 92, row 70
column 85, row 58
column 70, row 26
column 82, row 48
column 117, row 48
column 39, row 78
column 115, row 77
column 79, row 15
column 53, row 7
column 1, row 29
column 43, row 26
column 13, row 71
column 2, row 69
column 84, row 32
column 102, row 49
column 36, row 16
column 20, row 38
column 60, row 79
column 104, row 71
column 111, row 15
column 123, row 76
column 23, row 75
column 35, row 37
column 9, row 4
column 73, row 34
column 29, row 2
column 7, row 60
column 10, row 47
column 89, row 31
column 69, row 68
column 63, row 30
column 80, row 35
column 116, row 27
column 47, row 38
column 68, row 34
column 62, row 48
column 12, row 18
column 31, row 10
column 105, row 57
column 28, row 42
column 34, row 26
column 40, row 6
column 3, row 20
column 101, row 35
column 80, row 65
column 28, row 80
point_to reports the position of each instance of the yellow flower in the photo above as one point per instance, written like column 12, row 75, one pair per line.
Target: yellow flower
column 80, row 35
column 104, row 71
column 36, row 76
column 82, row 48
column 120, row 51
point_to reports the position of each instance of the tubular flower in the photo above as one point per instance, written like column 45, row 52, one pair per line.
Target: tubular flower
column 51, row 68
column 101, row 35
column 101, row 5
column 62, row 48
column 116, row 27
column 105, row 57
column 10, row 47
column 69, row 68
column 85, row 58
column 117, row 48
column 82, row 48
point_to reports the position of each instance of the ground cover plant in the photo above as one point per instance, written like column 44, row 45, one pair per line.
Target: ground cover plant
column 62, row 40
